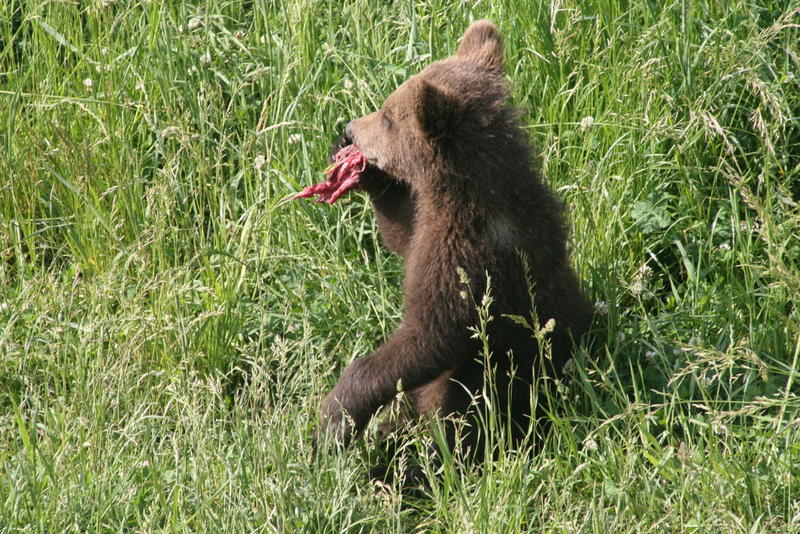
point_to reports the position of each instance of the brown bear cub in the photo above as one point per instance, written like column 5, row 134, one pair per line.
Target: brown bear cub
column 451, row 180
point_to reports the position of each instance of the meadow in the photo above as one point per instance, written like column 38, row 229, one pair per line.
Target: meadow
column 169, row 321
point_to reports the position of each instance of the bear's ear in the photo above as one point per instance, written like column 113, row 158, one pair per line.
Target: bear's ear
column 437, row 110
column 483, row 44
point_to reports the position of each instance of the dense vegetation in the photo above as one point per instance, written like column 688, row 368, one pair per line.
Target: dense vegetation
column 169, row 322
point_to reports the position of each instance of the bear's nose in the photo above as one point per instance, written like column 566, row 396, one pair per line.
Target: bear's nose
column 348, row 133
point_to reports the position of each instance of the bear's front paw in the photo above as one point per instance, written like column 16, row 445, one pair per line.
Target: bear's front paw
column 335, row 426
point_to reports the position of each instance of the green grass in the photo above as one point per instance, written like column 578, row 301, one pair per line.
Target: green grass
column 169, row 322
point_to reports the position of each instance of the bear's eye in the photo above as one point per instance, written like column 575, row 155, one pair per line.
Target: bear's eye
column 387, row 121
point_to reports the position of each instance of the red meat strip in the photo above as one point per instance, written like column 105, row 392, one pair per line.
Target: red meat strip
column 344, row 175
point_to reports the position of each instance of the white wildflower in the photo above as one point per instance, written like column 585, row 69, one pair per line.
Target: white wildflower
column 650, row 355
column 259, row 162
column 295, row 138
column 586, row 123
column 637, row 287
column 88, row 83
column 601, row 307
column 347, row 84
column 724, row 246
column 590, row 444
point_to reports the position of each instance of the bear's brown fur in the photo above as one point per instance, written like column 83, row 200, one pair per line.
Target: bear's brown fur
column 452, row 185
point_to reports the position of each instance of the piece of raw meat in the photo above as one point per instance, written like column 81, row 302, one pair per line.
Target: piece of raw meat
column 343, row 175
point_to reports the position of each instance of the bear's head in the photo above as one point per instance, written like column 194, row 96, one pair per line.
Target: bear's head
column 452, row 110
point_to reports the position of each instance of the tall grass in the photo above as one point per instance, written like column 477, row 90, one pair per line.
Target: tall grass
column 169, row 322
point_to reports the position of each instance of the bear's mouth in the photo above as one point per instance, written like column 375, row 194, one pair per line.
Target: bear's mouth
column 342, row 142
column 372, row 163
